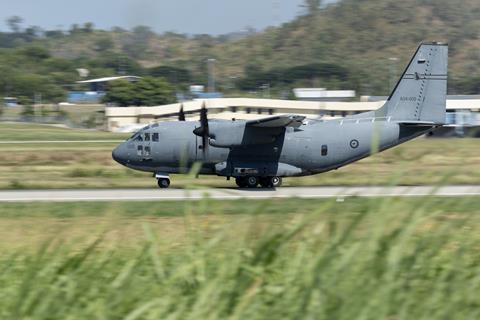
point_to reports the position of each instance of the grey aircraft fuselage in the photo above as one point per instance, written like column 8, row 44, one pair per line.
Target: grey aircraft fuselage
column 288, row 146
column 315, row 147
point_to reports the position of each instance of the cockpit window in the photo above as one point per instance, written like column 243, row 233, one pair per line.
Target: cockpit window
column 155, row 137
column 147, row 136
column 136, row 137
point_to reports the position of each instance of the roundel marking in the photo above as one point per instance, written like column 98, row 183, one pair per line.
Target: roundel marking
column 354, row 144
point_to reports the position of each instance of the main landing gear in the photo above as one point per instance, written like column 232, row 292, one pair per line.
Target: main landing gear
column 253, row 182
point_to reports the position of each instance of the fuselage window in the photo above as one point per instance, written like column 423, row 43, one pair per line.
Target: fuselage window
column 147, row 152
column 139, row 150
column 147, row 136
column 324, row 150
column 155, row 137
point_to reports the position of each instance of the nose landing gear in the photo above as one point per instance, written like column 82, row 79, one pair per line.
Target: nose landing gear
column 163, row 183
column 163, row 180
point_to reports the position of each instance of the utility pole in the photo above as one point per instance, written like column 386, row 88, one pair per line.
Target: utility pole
column 211, row 75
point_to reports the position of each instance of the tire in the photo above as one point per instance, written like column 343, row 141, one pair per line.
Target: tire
column 163, row 183
column 266, row 182
column 276, row 182
column 252, row 182
column 271, row 182
column 241, row 182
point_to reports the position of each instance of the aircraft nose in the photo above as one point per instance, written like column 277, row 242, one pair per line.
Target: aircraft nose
column 119, row 155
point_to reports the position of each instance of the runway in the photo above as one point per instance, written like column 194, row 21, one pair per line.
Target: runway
column 232, row 194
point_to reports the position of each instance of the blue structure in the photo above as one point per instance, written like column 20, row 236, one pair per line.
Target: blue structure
column 85, row 96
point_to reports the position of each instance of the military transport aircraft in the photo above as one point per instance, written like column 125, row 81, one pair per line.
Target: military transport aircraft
column 261, row 152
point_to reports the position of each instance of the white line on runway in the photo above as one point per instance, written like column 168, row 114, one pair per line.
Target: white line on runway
column 232, row 194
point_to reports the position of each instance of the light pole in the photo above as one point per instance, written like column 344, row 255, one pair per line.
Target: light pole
column 211, row 74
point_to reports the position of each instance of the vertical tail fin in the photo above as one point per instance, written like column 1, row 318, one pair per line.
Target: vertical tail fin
column 420, row 95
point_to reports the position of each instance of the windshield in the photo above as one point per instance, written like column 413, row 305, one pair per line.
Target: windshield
column 136, row 136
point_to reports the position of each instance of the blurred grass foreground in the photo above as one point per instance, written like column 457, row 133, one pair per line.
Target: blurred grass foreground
column 284, row 259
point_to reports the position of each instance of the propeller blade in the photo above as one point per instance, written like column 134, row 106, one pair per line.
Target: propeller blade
column 181, row 114
column 204, row 126
column 203, row 131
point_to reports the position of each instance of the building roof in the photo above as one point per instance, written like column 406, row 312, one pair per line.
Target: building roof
column 108, row 79
column 321, row 93
column 279, row 106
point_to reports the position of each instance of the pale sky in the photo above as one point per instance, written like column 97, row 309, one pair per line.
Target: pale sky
column 183, row 16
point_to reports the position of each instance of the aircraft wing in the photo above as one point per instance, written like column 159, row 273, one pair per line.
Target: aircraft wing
column 290, row 120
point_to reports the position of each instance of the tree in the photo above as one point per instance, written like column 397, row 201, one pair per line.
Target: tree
column 14, row 23
column 137, row 43
column 154, row 91
column 104, row 43
column 74, row 29
column 88, row 27
column 121, row 92
column 312, row 6
column 35, row 52
column 172, row 74
column 148, row 91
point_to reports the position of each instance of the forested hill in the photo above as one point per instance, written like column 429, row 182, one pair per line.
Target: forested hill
column 349, row 45
column 363, row 34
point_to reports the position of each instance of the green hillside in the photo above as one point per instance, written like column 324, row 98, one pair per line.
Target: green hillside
column 349, row 45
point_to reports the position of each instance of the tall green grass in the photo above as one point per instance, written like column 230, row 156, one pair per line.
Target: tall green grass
column 358, row 259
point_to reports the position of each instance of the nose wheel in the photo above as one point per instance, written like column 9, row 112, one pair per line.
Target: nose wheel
column 163, row 183
column 163, row 180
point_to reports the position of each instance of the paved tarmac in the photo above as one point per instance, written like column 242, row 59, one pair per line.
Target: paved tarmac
column 232, row 194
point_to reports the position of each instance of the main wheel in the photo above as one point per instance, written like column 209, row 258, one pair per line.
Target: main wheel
column 252, row 182
column 276, row 182
column 270, row 182
column 164, row 183
column 241, row 182
column 266, row 182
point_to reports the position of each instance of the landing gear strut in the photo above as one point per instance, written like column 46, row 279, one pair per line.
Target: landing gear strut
column 253, row 182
